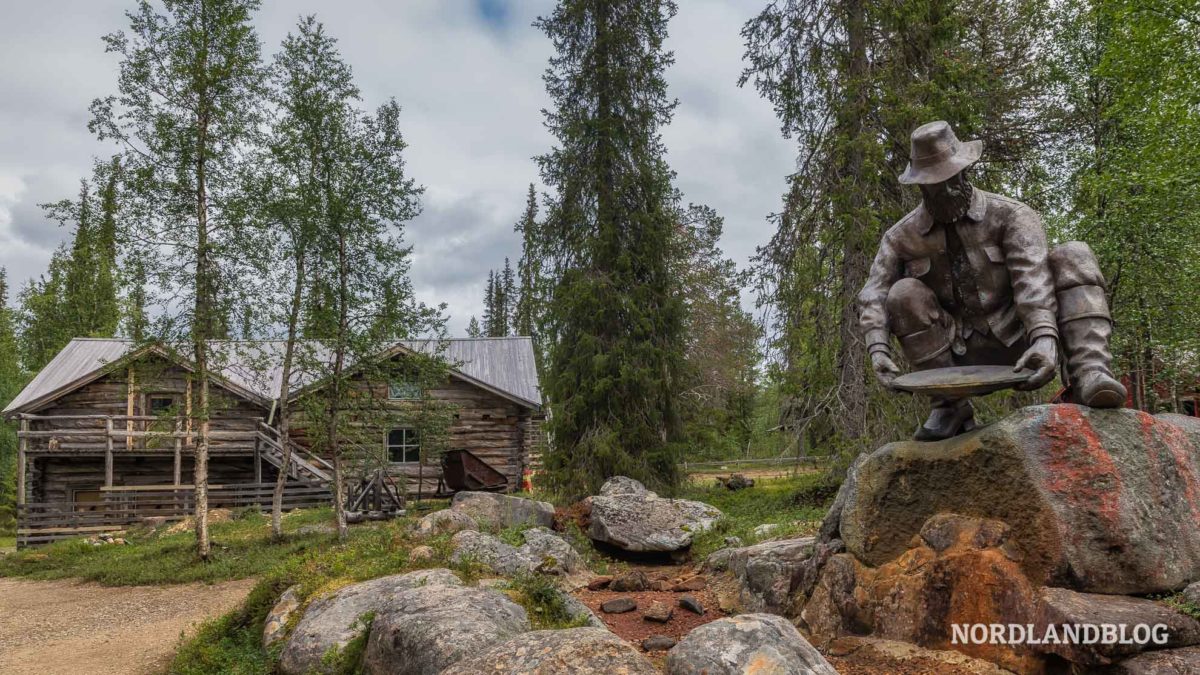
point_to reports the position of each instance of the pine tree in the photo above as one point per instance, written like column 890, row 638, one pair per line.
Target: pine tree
column 614, row 319
column 190, row 94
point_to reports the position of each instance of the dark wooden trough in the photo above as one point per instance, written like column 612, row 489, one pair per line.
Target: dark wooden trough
column 462, row 470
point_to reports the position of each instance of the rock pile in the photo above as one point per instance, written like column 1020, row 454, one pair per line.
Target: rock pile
column 1044, row 520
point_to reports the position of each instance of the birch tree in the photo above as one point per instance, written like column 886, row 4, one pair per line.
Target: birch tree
column 188, row 107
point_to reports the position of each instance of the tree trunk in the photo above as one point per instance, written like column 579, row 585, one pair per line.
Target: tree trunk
column 852, row 383
column 284, row 408
column 339, row 502
column 201, row 317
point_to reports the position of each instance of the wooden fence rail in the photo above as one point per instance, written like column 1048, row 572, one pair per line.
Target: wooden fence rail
column 40, row 523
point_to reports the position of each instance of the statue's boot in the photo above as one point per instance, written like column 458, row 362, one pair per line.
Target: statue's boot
column 947, row 419
column 1086, row 328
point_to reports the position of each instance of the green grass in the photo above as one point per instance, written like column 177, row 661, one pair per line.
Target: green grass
column 317, row 564
column 240, row 548
column 8, row 541
column 792, row 502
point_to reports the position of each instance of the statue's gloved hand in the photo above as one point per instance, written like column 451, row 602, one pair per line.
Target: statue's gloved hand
column 1042, row 358
column 884, row 368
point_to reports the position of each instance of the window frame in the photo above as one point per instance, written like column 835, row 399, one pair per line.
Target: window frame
column 151, row 398
column 410, row 440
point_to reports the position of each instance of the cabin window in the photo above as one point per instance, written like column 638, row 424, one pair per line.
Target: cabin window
column 161, row 405
column 404, row 390
column 403, row 445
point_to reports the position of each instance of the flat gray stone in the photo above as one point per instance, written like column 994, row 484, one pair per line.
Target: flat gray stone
column 1059, row 606
column 576, row 651
column 501, row 511
column 749, row 643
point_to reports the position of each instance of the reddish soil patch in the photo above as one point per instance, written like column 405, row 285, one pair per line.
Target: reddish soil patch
column 632, row 627
column 579, row 513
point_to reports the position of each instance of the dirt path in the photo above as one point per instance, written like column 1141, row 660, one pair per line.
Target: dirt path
column 50, row 627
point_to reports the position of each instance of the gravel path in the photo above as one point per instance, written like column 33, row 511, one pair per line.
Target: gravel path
column 49, row 627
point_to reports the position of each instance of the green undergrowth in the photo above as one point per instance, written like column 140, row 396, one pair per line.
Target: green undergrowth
column 7, row 541
column 231, row 644
column 1180, row 603
column 785, row 501
column 241, row 548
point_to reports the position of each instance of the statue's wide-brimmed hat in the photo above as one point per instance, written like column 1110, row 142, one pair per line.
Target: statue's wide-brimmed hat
column 936, row 154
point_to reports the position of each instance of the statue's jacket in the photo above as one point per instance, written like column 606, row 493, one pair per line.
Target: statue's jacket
column 1006, row 245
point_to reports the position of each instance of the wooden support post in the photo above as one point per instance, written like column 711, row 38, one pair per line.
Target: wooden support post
column 24, row 446
column 129, row 410
column 257, row 462
column 108, row 452
column 178, row 454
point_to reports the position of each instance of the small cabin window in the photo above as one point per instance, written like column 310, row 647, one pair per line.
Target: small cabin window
column 403, row 445
column 161, row 405
column 404, row 390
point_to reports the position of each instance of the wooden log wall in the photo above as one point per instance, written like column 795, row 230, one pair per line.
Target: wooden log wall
column 60, row 479
column 111, row 395
column 494, row 428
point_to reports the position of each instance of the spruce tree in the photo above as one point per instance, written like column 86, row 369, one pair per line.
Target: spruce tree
column 11, row 379
column 491, row 294
column 508, row 301
column 614, row 317
column 528, row 269
column 473, row 329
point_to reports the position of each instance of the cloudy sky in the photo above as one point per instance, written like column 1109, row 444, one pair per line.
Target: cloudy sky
column 468, row 75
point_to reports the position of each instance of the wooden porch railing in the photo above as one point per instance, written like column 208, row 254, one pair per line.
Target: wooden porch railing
column 40, row 523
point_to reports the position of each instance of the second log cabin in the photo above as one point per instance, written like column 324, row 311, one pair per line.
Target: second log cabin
column 105, row 413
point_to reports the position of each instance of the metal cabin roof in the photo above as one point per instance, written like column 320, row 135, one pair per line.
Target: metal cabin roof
column 505, row 365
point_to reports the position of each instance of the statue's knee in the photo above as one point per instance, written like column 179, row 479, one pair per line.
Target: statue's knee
column 911, row 307
column 1073, row 264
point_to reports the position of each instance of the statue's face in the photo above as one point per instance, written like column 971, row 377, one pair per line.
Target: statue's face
column 948, row 200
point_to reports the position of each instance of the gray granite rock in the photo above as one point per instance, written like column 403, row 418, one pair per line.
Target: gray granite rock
column 275, row 628
column 628, row 516
column 332, row 622
column 759, row 643
column 446, row 521
column 500, row 511
column 576, row 651
column 425, row 630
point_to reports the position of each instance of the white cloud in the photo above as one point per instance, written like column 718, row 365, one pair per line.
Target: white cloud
column 471, row 91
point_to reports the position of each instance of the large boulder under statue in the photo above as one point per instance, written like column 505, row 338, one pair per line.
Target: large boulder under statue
column 1102, row 501
column 628, row 516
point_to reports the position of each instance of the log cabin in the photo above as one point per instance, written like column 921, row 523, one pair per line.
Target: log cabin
column 106, row 419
